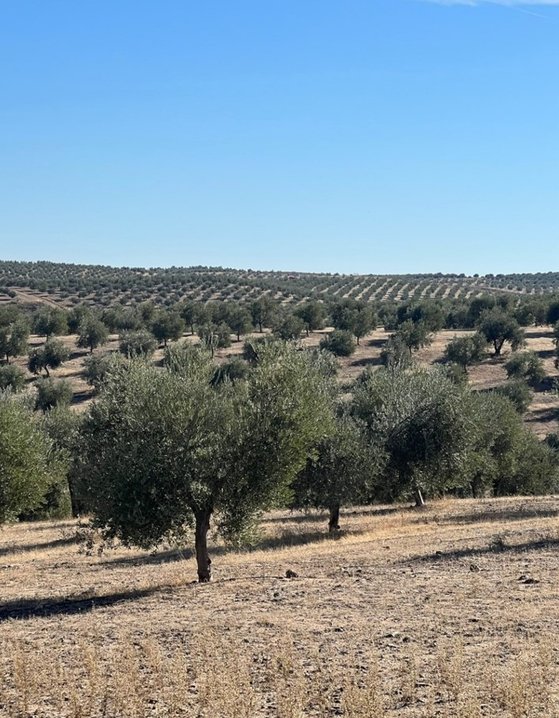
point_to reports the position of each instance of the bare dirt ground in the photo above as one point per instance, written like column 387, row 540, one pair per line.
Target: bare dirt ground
column 450, row 611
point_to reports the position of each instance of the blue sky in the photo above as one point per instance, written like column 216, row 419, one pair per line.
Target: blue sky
column 317, row 135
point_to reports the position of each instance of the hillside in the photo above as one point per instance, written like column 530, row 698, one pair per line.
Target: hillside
column 69, row 284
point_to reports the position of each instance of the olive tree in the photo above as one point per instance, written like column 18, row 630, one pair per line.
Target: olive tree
column 341, row 471
column 92, row 333
column 466, row 351
column 167, row 326
column 417, row 418
column 165, row 450
column 49, row 356
column 50, row 320
column 12, row 378
column 13, row 339
column 29, row 465
column 140, row 343
column 527, row 366
column 499, row 327
column 339, row 342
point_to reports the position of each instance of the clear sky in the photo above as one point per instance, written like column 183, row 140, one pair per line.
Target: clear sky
column 317, row 135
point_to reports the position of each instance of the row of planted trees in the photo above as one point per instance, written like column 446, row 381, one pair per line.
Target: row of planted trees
column 164, row 451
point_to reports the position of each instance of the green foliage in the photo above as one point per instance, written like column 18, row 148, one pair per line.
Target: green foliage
column 50, row 356
column 140, row 343
column 355, row 317
column 162, row 450
column 12, row 378
column 68, row 496
column 290, row 327
column 527, row 366
column 428, row 313
column 553, row 313
column 339, row 342
column 167, row 326
column 239, row 320
column 478, row 306
column 263, row 312
column 251, row 348
column 13, row 338
column 517, row 392
column 29, row 465
column 96, row 367
column 466, row 351
column 418, row 419
column 396, row 354
column 122, row 319
column 342, row 471
column 313, row 315
column 76, row 317
column 92, row 333
column 190, row 361
column 52, row 393
column 50, row 320
column 414, row 335
column 234, row 370
column 499, row 327
column 504, row 456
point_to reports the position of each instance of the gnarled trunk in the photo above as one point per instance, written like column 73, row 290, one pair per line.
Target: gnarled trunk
column 201, row 544
column 334, row 521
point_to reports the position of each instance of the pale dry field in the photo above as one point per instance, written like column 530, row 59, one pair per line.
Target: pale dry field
column 450, row 611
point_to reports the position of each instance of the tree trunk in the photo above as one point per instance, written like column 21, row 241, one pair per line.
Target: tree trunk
column 334, row 522
column 201, row 544
column 419, row 500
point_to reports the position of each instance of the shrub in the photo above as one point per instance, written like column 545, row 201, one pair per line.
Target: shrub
column 517, row 392
column 339, row 342
column 29, row 466
column 51, row 393
column 12, row 378
column 466, row 351
column 137, row 344
column 527, row 366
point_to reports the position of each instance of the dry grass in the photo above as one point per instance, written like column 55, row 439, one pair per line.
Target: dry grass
column 451, row 611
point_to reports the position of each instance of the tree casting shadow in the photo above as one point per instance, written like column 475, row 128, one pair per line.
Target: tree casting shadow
column 495, row 548
column 26, row 548
column 45, row 608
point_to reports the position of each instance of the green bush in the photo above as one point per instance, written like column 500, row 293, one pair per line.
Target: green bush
column 517, row 392
column 339, row 342
column 12, row 378
column 29, row 464
column 527, row 366
column 52, row 393
column 137, row 344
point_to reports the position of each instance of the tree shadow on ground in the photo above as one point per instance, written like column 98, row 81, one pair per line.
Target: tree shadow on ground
column 82, row 396
column 498, row 515
column 494, row 548
column 286, row 539
column 367, row 361
column 379, row 343
column 26, row 548
column 322, row 516
column 545, row 415
column 45, row 608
